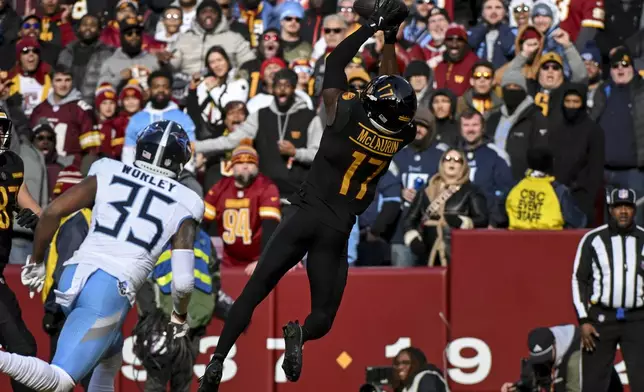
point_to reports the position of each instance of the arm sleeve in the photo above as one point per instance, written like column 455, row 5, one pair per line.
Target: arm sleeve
column 183, row 265
column 582, row 278
column 314, row 135
column 578, row 73
column 478, row 210
column 334, row 75
column 248, row 129
column 106, row 75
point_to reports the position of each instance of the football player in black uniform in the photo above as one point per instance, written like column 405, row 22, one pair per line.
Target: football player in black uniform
column 362, row 135
column 14, row 335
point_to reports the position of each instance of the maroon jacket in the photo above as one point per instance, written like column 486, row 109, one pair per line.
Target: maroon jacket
column 455, row 76
column 73, row 122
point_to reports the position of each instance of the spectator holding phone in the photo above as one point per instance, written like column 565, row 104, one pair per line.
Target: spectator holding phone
column 212, row 88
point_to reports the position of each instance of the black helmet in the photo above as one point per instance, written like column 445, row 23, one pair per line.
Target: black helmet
column 5, row 131
column 390, row 103
column 163, row 148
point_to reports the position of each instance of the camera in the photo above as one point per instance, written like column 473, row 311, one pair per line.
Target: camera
column 534, row 378
column 377, row 377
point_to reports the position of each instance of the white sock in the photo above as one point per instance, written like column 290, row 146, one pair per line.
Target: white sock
column 104, row 374
column 35, row 373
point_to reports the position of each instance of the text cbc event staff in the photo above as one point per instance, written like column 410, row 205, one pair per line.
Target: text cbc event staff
column 608, row 295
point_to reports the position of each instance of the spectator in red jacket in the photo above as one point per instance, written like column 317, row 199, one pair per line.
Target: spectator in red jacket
column 455, row 69
column 71, row 118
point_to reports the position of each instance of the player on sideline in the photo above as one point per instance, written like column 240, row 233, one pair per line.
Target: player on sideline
column 136, row 211
column 14, row 335
column 363, row 133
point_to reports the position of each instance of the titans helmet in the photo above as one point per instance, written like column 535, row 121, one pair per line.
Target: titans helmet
column 5, row 131
column 390, row 103
column 163, row 148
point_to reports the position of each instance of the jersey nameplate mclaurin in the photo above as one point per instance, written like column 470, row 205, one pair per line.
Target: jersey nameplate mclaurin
column 352, row 158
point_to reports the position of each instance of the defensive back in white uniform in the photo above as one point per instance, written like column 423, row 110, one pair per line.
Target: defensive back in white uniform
column 136, row 212
column 134, row 216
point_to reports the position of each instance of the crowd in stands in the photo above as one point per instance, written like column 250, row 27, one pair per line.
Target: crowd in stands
column 524, row 116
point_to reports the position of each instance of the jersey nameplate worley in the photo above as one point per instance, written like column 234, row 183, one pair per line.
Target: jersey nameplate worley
column 135, row 215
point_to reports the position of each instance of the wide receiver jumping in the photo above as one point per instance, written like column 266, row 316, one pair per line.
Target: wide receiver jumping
column 362, row 135
column 136, row 211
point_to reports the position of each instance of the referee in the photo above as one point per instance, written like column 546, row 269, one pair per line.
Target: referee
column 608, row 295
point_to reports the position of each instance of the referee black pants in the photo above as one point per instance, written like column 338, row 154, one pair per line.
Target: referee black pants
column 14, row 335
column 598, row 365
column 326, row 266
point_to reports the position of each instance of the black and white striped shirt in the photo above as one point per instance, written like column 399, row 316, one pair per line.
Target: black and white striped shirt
column 608, row 270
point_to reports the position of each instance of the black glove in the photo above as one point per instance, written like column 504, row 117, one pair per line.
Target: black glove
column 453, row 220
column 27, row 218
column 51, row 323
column 417, row 247
column 388, row 14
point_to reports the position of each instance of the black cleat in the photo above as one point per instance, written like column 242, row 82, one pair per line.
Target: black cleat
column 212, row 376
column 292, row 365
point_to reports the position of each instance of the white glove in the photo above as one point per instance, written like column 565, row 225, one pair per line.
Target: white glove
column 33, row 276
column 179, row 328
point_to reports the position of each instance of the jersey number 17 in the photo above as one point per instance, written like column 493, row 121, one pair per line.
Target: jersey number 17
column 358, row 159
column 144, row 213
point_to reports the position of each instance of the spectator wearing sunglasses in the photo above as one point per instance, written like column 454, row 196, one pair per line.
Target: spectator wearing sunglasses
column 334, row 29
column 269, row 48
column 492, row 39
column 291, row 14
column 129, row 61
column 9, row 30
column 169, row 26
column 44, row 140
column 345, row 8
column 458, row 60
column 304, row 72
column 480, row 96
column 30, row 78
column 619, row 110
column 449, row 201
column 32, row 27
column 545, row 87
column 519, row 14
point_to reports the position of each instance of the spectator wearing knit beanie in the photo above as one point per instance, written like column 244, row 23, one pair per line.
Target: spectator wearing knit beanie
column 130, row 101
column 519, row 124
column 421, row 78
column 29, row 70
column 454, row 71
column 105, row 102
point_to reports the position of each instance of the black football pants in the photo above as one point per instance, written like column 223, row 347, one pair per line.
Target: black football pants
column 298, row 233
column 597, row 366
column 14, row 335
